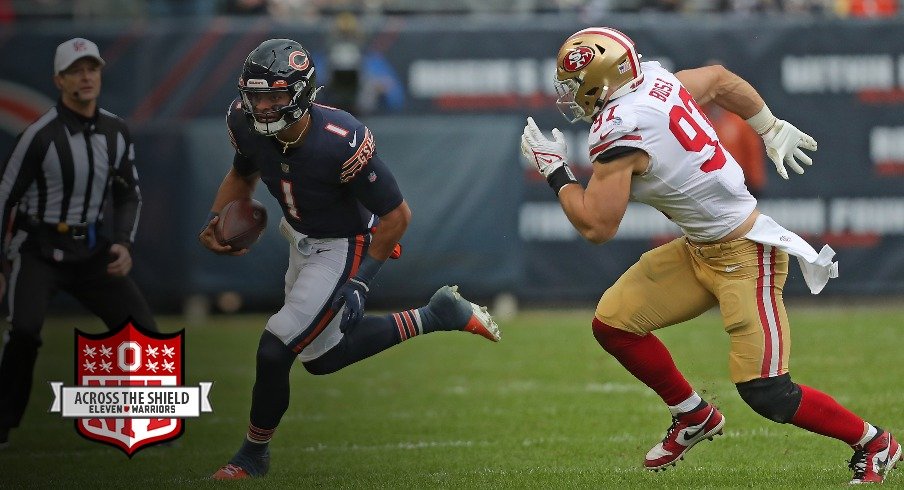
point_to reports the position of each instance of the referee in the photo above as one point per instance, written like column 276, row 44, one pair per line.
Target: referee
column 53, row 189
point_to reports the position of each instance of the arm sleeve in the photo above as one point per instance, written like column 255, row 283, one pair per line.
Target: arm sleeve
column 376, row 187
column 126, row 195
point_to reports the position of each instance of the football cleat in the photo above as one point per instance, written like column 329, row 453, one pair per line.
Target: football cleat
column 872, row 461
column 454, row 312
column 686, row 430
column 243, row 466
column 231, row 472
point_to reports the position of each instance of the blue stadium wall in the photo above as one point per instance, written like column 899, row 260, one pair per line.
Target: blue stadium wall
column 448, row 125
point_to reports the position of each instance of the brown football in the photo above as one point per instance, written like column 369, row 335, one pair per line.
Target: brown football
column 241, row 223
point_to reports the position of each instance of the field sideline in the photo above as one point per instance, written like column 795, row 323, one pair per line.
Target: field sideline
column 544, row 408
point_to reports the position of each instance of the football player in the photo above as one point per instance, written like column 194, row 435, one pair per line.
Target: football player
column 343, row 217
column 649, row 142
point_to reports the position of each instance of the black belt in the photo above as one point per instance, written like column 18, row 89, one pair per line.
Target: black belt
column 78, row 231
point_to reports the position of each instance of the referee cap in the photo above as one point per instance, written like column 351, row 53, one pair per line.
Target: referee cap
column 73, row 50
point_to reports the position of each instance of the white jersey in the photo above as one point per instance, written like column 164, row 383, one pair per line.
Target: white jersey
column 691, row 179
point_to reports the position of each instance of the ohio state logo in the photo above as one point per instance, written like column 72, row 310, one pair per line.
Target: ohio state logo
column 577, row 59
column 299, row 60
column 129, row 391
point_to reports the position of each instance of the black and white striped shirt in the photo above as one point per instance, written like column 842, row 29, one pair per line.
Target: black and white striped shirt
column 62, row 166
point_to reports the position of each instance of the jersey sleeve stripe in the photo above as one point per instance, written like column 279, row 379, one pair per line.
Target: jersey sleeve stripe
column 359, row 160
column 596, row 150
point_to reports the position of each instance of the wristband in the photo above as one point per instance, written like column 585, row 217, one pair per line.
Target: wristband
column 762, row 121
column 561, row 177
column 368, row 269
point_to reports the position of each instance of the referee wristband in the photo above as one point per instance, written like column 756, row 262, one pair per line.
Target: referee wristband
column 561, row 177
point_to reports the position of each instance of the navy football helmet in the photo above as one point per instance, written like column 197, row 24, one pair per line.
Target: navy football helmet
column 277, row 65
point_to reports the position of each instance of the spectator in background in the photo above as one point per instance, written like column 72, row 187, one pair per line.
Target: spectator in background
column 344, row 53
column 245, row 7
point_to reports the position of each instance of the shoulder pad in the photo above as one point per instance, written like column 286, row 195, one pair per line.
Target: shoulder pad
column 612, row 125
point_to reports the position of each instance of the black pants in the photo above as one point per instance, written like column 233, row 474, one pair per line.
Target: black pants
column 32, row 283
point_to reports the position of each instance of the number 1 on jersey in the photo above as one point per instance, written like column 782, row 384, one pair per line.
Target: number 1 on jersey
column 289, row 198
column 699, row 140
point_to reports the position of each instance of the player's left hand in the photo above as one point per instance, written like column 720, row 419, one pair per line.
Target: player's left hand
column 352, row 294
column 785, row 144
column 122, row 260
column 547, row 154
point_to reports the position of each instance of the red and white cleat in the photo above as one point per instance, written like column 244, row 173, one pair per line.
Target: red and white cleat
column 872, row 461
column 231, row 472
column 481, row 323
column 686, row 430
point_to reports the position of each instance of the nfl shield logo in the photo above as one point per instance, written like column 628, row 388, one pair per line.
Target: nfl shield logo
column 129, row 356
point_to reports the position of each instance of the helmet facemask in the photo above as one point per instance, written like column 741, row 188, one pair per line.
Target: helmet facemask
column 567, row 91
column 277, row 117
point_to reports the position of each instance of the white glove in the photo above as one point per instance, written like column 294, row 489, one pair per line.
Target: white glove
column 548, row 155
column 785, row 144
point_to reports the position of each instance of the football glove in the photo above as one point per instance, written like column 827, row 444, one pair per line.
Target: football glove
column 546, row 154
column 784, row 142
column 353, row 294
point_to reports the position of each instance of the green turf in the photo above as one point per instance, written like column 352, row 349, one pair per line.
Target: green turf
column 544, row 408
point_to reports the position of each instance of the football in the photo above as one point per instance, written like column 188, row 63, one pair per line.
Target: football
column 241, row 223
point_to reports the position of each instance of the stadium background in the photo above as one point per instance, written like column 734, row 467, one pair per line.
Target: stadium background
column 446, row 86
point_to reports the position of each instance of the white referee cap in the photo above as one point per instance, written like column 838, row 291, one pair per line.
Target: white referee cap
column 73, row 50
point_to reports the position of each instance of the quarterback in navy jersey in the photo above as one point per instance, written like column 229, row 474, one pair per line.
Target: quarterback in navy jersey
column 343, row 215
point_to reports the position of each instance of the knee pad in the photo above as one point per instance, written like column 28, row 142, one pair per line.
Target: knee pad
column 775, row 398
column 272, row 354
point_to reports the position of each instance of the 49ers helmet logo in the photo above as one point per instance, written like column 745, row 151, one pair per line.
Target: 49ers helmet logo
column 299, row 60
column 577, row 59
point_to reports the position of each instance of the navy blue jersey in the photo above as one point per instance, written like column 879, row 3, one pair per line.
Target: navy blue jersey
column 329, row 187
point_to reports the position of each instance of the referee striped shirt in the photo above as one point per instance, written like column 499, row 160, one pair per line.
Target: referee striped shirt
column 62, row 167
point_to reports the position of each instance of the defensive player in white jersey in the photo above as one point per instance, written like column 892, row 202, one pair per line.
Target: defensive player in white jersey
column 649, row 142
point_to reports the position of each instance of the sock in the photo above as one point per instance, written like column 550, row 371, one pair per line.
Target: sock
column 409, row 323
column 692, row 404
column 371, row 335
column 869, row 434
column 647, row 358
column 820, row 413
column 259, row 436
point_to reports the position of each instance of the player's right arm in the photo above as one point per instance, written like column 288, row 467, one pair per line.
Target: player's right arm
column 239, row 183
column 784, row 142
column 234, row 186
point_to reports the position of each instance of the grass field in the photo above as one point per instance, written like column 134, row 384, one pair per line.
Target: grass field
column 544, row 408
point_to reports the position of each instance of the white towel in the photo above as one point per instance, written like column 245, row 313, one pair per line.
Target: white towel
column 817, row 268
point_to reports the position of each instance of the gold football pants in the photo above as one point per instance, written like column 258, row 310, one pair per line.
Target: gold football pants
column 680, row 280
